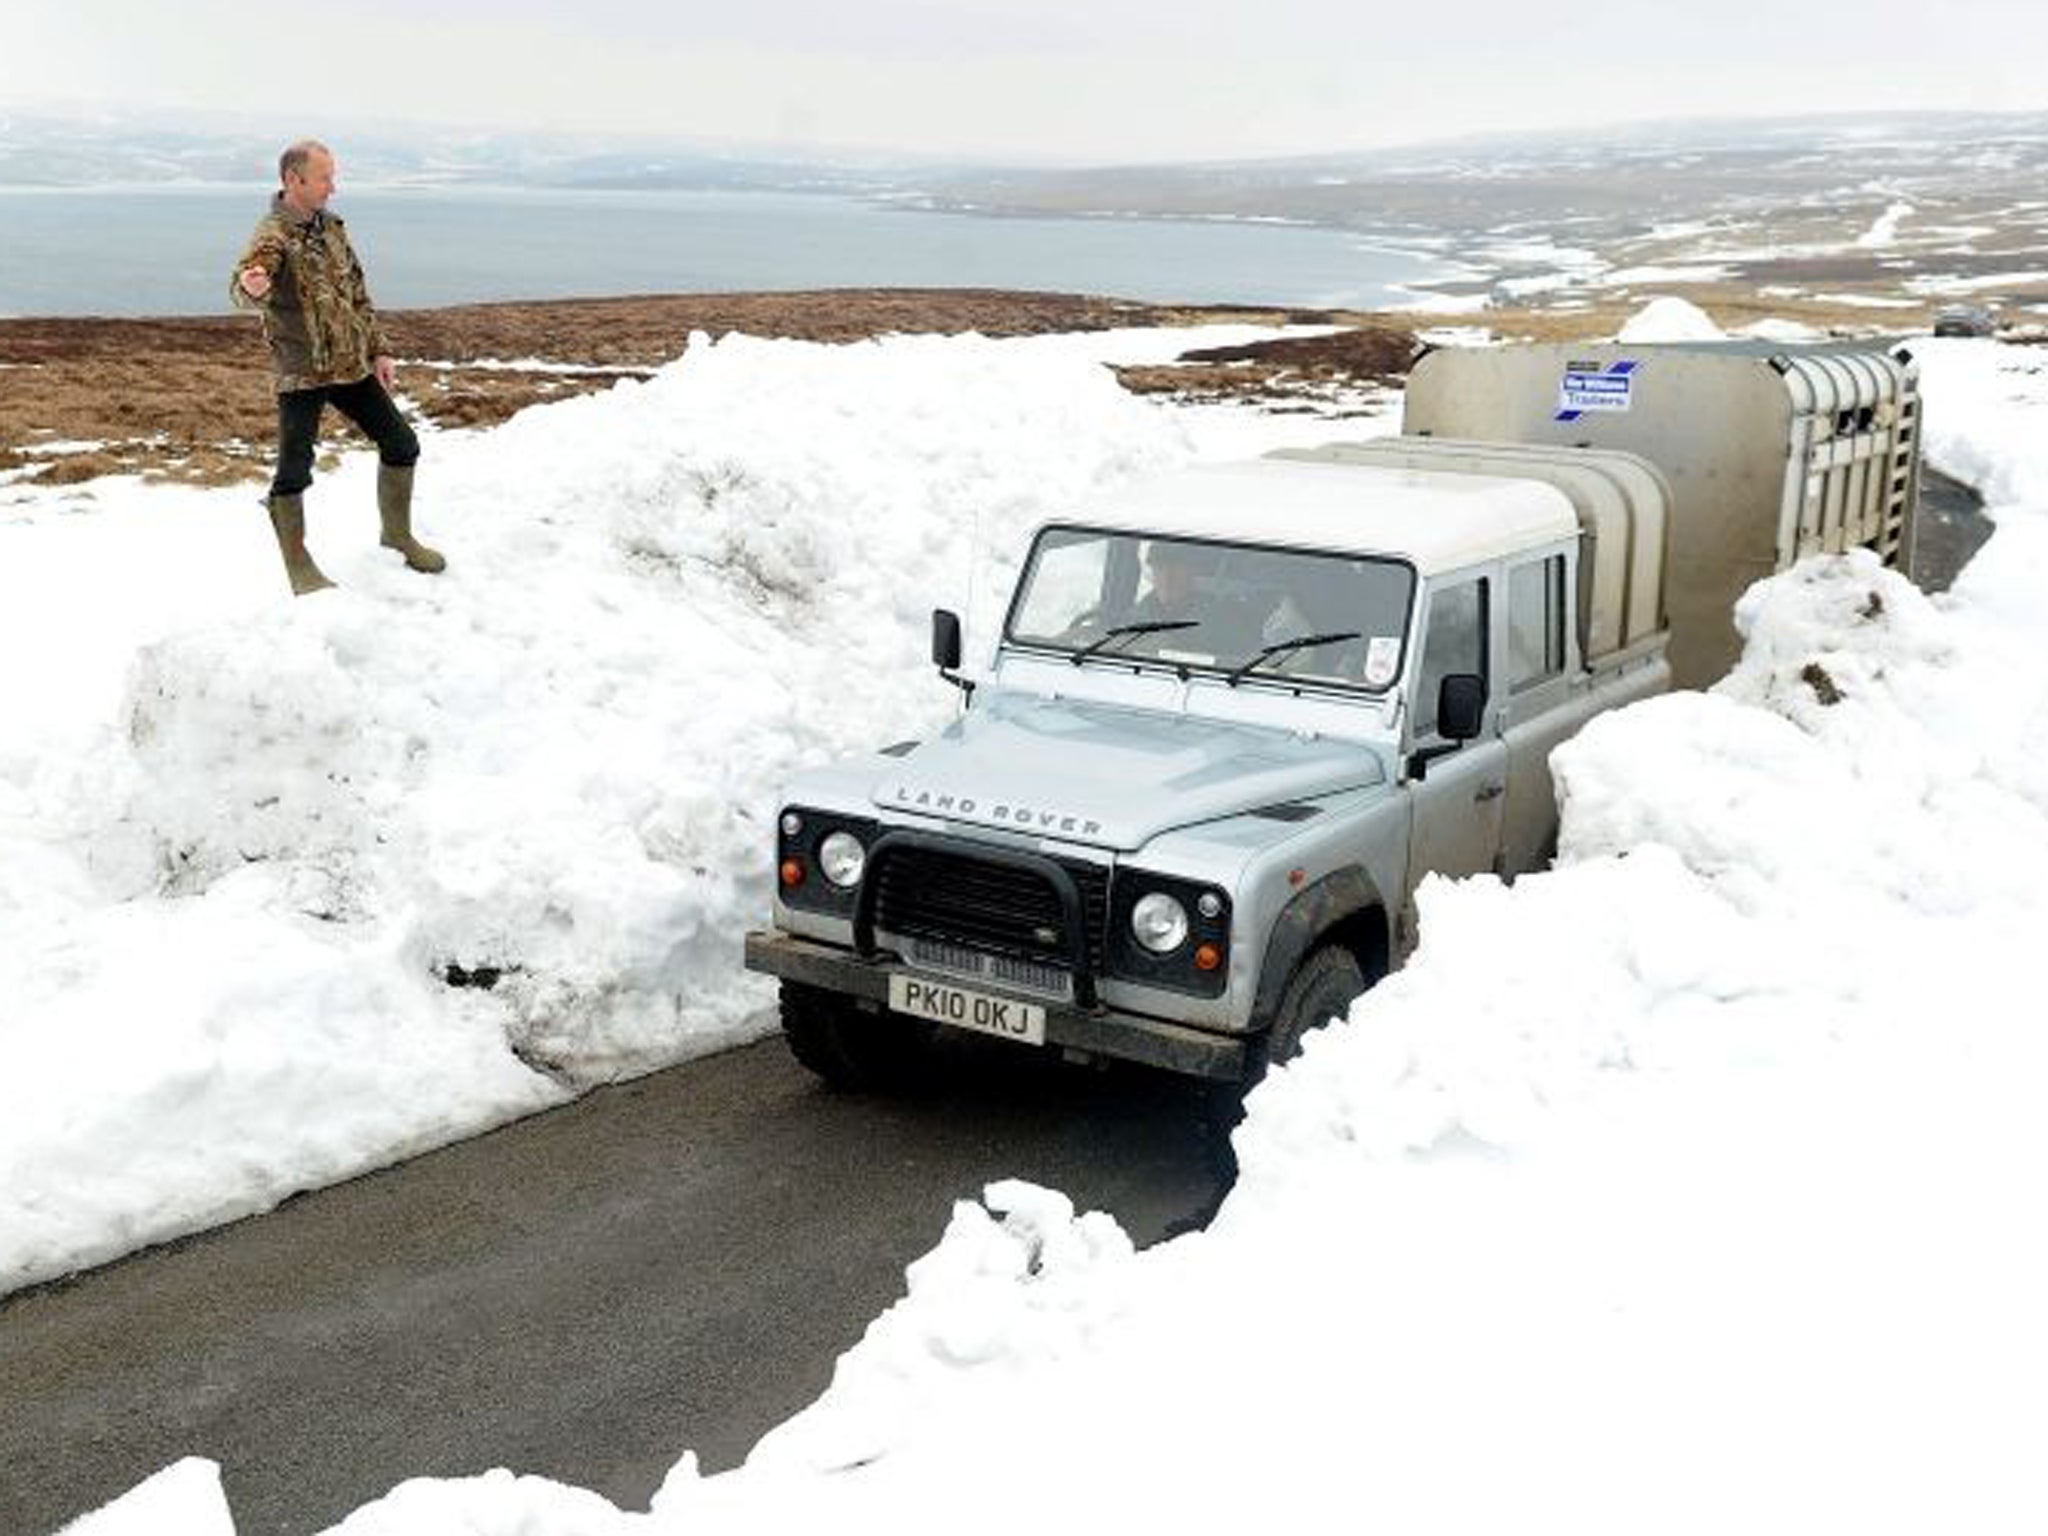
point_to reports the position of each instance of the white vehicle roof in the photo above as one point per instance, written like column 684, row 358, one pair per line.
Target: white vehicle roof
column 1437, row 521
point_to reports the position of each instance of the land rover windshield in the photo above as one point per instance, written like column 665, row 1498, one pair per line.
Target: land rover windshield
column 1197, row 606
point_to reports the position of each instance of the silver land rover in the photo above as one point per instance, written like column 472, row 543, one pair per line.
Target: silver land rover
column 1230, row 721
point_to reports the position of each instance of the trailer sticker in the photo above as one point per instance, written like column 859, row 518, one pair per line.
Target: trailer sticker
column 1589, row 387
column 1382, row 659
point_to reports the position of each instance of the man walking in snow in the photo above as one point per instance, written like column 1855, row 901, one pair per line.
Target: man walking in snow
column 327, row 348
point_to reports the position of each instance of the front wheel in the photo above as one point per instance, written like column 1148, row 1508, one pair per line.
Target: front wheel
column 849, row 1047
column 1323, row 987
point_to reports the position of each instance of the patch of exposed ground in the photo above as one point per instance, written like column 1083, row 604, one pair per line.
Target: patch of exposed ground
column 1309, row 371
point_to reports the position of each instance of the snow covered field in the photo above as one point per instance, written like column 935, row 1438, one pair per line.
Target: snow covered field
column 1681, row 1188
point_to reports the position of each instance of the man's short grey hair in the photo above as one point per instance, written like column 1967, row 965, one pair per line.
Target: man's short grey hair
column 293, row 161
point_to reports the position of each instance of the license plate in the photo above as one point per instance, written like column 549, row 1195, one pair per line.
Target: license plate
column 1003, row 1016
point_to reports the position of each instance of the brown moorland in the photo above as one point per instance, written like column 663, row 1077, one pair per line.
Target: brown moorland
column 190, row 398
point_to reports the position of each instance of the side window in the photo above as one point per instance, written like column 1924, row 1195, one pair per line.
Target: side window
column 1455, row 642
column 1535, row 622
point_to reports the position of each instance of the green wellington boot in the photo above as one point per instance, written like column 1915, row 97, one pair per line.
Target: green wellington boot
column 288, row 518
column 394, row 506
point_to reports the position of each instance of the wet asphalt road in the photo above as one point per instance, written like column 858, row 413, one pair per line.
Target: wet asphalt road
column 670, row 1264
column 1952, row 527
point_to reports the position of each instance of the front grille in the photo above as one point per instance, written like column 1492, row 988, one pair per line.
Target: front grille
column 1004, row 970
column 955, row 900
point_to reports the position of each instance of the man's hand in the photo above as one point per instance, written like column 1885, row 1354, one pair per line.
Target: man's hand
column 255, row 282
column 385, row 369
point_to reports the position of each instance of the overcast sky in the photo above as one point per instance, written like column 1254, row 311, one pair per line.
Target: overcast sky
column 1030, row 79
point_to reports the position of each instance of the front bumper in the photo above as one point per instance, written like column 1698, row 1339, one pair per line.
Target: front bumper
column 1099, row 1031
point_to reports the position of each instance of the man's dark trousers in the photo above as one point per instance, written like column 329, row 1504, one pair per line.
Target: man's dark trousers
column 363, row 402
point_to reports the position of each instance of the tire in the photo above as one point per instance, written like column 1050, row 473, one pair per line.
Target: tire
column 1323, row 987
column 849, row 1047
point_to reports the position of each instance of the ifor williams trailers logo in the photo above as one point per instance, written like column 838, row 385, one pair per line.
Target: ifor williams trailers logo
column 1588, row 387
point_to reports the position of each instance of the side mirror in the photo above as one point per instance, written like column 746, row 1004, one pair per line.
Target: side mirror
column 1461, row 706
column 946, row 649
column 945, row 640
column 1460, row 715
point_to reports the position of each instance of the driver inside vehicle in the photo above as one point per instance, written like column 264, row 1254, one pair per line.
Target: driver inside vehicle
column 1233, row 610
column 1173, row 573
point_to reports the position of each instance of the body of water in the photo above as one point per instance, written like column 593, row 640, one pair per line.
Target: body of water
column 168, row 250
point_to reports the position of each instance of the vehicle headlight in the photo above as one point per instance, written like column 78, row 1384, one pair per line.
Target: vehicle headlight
column 1160, row 923
column 843, row 859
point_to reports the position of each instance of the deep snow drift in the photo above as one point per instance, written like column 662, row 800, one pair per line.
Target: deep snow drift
column 1686, row 1187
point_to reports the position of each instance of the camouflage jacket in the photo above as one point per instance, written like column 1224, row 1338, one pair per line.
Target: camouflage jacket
column 317, row 316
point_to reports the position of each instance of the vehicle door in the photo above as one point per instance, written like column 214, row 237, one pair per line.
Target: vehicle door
column 1459, row 801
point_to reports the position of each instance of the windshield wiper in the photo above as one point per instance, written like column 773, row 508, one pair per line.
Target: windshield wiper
column 1150, row 627
column 1298, row 643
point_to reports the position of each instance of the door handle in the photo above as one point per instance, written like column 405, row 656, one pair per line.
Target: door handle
column 1489, row 792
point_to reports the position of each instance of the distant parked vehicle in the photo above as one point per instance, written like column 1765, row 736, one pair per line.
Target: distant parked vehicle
column 1964, row 320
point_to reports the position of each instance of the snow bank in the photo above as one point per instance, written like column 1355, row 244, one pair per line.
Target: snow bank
column 1884, row 230
column 1016, row 1283
column 1670, row 319
column 493, row 1504
column 1978, row 426
column 185, row 1499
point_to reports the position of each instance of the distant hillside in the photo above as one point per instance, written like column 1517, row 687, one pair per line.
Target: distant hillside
column 1614, row 182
